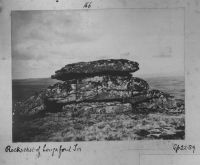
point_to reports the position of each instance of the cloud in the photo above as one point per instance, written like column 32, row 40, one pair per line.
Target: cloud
column 125, row 55
column 165, row 53
column 30, row 50
column 163, row 56
column 103, row 57
column 38, row 35
column 45, row 41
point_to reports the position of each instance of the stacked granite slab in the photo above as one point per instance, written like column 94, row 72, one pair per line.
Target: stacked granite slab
column 99, row 86
column 97, row 81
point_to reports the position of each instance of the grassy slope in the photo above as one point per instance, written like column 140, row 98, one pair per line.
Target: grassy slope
column 62, row 127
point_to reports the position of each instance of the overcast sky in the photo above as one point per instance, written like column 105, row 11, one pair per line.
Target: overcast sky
column 45, row 41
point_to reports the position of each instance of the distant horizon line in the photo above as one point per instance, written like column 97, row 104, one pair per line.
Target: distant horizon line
column 145, row 75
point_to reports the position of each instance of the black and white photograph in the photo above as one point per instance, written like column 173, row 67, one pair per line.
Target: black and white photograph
column 98, row 75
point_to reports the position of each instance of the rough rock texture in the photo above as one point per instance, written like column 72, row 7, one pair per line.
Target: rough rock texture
column 97, row 88
column 157, row 101
column 31, row 106
column 99, row 100
column 96, row 68
column 104, row 88
column 99, row 91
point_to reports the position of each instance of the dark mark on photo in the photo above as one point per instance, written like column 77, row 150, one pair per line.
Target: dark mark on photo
column 87, row 5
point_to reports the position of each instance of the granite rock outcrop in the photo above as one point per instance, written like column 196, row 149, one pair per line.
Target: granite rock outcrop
column 103, row 86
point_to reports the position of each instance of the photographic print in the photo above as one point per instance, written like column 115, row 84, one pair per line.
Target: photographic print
column 98, row 75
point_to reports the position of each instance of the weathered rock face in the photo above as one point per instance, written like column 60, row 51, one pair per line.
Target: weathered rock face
column 31, row 106
column 100, row 98
column 155, row 100
column 97, row 88
column 96, row 68
column 104, row 85
column 97, row 108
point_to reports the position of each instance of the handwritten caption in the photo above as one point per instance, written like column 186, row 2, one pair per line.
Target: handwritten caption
column 178, row 148
column 45, row 149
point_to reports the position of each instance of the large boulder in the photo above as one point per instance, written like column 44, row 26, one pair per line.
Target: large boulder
column 98, row 83
column 98, row 88
column 96, row 68
column 155, row 100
